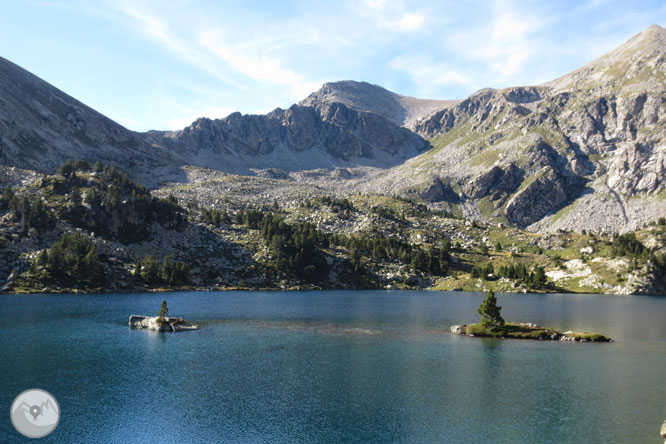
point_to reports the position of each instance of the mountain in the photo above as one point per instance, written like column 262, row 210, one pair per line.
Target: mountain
column 363, row 96
column 584, row 151
column 40, row 127
column 298, row 138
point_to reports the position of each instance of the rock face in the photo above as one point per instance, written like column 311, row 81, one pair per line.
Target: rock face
column 169, row 324
column 298, row 138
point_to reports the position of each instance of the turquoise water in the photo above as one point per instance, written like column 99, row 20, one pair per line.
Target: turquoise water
column 335, row 367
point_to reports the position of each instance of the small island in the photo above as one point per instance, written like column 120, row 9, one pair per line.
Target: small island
column 492, row 325
column 161, row 322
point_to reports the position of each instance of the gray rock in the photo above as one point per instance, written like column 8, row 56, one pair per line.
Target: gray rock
column 458, row 329
column 168, row 324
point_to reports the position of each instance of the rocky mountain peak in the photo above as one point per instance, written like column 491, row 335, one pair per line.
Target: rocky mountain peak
column 363, row 96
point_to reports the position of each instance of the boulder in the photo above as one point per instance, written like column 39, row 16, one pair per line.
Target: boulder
column 458, row 329
column 587, row 250
column 165, row 324
column 663, row 430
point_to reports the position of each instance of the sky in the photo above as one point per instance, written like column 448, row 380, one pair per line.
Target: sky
column 151, row 64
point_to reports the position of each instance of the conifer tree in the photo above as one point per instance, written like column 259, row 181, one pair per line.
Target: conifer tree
column 490, row 311
column 164, row 310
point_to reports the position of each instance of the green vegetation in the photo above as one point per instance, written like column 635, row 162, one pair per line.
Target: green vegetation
column 531, row 331
column 171, row 273
column 28, row 214
column 628, row 245
column 486, row 158
column 510, row 330
column 73, row 260
column 535, row 279
column 370, row 241
column 103, row 200
column 490, row 312
column 336, row 205
column 295, row 248
column 164, row 310
column 215, row 217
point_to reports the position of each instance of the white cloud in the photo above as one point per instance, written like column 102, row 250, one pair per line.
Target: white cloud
column 428, row 74
column 256, row 66
column 254, row 60
column 499, row 48
column 375, row 4
column 508, row 27
column 407, row 22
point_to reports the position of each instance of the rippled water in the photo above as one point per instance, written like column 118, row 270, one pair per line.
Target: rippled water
column 336, row 367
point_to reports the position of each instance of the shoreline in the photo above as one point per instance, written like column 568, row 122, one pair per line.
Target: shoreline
column 48, row 290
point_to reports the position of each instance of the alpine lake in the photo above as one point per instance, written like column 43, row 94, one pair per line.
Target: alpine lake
column 336, row 367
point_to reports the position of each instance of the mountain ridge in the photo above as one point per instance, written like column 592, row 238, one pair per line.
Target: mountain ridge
column 540, row 157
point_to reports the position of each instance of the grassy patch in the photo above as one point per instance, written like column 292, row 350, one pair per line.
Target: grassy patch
column 486, row 158
column 523, row 331
column 511, row 330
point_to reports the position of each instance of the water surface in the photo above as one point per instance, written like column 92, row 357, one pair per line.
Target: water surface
column 334, row 367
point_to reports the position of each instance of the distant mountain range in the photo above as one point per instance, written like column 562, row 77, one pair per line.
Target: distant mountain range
column 585, row 151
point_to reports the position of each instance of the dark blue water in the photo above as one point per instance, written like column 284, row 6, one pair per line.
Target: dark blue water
column 335, row 367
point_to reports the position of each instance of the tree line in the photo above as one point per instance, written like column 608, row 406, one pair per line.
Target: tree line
column 535, row 279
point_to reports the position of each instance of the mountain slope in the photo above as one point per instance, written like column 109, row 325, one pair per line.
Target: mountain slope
column 40, row 127
column 584, row 151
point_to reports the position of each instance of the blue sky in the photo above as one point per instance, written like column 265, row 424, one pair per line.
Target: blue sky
column 152, row 64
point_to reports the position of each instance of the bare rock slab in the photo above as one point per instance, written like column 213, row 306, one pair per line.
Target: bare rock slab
column 168, row 324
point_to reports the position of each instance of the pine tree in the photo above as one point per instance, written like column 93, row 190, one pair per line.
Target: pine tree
column 164, row 310
column 490, row 311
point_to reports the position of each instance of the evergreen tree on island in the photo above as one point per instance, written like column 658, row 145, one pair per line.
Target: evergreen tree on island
column 490, row 312
column 164, row 311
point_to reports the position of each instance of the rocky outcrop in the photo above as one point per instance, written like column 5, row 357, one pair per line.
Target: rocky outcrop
column 168, row 324
column 433, row 190
column 544, row 192
column 496, row 182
